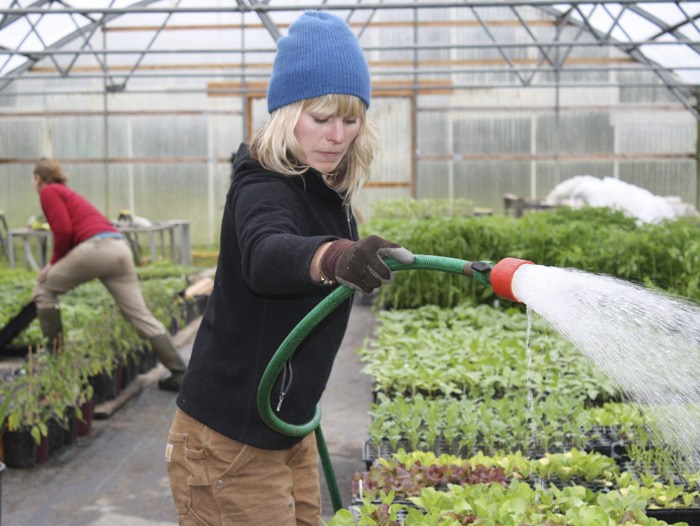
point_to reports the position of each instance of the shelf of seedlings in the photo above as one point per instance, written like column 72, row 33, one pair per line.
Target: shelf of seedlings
column 48, row 399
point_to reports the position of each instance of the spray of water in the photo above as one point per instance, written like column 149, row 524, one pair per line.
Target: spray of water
column 647, row 342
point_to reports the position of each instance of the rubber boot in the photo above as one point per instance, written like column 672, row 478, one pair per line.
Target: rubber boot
column 165, row 351
column 51, row 328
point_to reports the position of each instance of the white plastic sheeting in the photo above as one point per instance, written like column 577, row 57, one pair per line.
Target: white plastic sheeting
column 587, row 190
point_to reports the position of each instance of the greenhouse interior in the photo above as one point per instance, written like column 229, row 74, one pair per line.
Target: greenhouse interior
column 531, row 358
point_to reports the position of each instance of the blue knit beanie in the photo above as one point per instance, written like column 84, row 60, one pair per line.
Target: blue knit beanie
column 319, row 56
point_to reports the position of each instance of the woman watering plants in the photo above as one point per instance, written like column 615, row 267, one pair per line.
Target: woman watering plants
column 287, row 236
column 87, row 246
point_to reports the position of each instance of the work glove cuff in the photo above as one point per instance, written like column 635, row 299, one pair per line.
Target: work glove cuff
column 330, row 258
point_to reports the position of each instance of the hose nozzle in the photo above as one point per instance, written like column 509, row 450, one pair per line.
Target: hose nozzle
column 501, row 277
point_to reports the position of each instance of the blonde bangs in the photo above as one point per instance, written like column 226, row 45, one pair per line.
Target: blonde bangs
column 345, row 106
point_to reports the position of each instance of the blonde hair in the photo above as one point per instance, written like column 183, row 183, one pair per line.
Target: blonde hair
column 49, row 171
column 277, row 149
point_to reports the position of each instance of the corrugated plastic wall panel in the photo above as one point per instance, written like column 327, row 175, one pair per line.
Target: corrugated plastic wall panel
column 168, row 152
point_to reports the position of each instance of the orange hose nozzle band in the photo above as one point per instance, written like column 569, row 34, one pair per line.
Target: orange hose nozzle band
column 501, row 277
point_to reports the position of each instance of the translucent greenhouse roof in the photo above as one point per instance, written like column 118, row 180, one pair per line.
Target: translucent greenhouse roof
column 661, row 36
column 665, row 34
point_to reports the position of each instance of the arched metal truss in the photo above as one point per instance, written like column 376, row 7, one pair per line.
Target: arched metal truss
column 487, row 43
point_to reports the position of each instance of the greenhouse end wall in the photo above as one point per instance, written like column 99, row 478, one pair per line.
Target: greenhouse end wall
column 165, row 163
column 483, row 144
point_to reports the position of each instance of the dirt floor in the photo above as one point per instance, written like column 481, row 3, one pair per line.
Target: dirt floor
column 116, row 475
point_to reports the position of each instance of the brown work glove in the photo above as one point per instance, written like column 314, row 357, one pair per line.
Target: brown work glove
column 360, row 264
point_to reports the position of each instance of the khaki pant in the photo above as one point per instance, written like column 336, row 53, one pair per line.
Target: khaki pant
column 217, row 481
column 110, row 261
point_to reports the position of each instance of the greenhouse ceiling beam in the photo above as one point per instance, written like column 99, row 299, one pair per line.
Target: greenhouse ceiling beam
column 377, row 90
column 666, row 29
column 397, row 72
column 501, row 51
column 257, row 7
column 674, row 30
column 32, row 59
column 622, row 46
column 121, row 86
column 263, row 8
column 421, row 108
column 7, row 19
column 271, row 27
column 668, row 79
column 88, row 29
column 544, row 50
column 366, row 24
column 563, row 55
column 422, row 70
column 681, row 91
column 690, row 19
column 33, row 30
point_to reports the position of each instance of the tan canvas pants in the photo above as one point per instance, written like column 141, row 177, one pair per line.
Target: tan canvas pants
column 217, row 481
column 110, row 261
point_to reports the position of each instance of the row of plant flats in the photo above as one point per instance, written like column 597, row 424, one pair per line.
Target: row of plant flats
column 414, row 486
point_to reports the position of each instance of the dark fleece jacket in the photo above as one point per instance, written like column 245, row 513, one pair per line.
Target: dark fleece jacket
column 272, row 225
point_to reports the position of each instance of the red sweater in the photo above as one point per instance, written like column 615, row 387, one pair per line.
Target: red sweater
column 72, row 218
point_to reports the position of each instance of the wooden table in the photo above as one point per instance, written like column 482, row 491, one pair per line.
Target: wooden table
column 178, row 232
column 42, row 238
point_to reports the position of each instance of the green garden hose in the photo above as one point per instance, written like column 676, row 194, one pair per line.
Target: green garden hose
column 483, row 272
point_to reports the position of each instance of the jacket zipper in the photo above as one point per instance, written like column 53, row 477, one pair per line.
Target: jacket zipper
column 348, row 216
column 288, row 373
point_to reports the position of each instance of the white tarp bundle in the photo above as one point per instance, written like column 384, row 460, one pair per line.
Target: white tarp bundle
column 587, row 190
